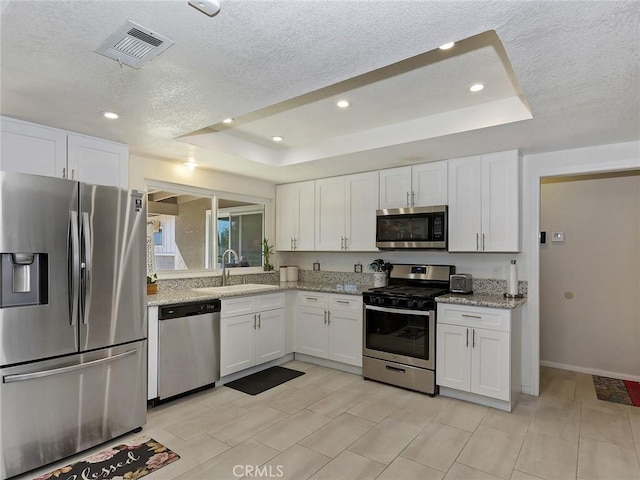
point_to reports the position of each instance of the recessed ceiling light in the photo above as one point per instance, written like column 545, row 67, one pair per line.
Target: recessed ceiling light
column 227, row 120
column 476, row 87
column 447, row 46
column 110, row 115
column 342, row 103
column 277, row 138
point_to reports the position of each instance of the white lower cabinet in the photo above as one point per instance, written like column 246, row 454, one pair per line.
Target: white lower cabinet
column 477, row 351
column 251, row 331
column 330, row 326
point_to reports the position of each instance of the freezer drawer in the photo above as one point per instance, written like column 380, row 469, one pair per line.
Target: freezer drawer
column 55, row 408
column 189, row 347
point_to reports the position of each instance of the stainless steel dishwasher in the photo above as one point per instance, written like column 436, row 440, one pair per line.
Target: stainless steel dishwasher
column 188, row 347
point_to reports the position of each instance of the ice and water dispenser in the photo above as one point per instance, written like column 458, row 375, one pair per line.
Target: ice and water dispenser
column 23, row 279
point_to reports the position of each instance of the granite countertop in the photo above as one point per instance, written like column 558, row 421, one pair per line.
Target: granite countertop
column 491, row 300
column 170, row 297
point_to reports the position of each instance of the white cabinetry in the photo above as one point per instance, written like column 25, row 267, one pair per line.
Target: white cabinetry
column 484, row 203
column 40, row 150
column 295, row 216
column 478, row 351
column 330, row 326
column 415, row 186
column 251, row 331
column 345, row 217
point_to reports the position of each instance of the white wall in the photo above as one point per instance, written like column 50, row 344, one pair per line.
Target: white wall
column 590, row 283
column 604, row 158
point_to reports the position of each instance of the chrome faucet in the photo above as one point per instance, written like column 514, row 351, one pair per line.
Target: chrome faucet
column 225, row 273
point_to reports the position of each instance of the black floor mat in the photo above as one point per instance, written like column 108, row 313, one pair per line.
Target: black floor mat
column 264, row 380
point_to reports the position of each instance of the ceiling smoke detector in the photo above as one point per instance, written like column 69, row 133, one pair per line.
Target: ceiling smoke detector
column 208, row 7
column 133, row 45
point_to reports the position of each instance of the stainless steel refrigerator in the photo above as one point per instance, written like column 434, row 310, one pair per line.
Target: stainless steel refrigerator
column 73, row 323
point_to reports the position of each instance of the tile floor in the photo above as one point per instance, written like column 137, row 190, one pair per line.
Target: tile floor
column 333, row 425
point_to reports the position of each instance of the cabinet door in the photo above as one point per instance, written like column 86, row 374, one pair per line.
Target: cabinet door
column 490, row 363
column 98, row 162
column 395, row 187
column 465, row 208
column 34, row 149
column 313, row 332
column 429, row 184
column 269, row 336
column 501, row 202
column 345, row 336
column 286, row 210
column 453, row 356
column 330, row 214
column 361, row 204
column 304, row 235
column 236, row 343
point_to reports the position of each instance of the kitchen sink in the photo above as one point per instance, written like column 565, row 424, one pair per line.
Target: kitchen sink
column 236, row 288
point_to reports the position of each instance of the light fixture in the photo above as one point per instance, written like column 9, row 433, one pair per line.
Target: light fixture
column 277, row 138
column 476, row 87
column 342, row 103
column 227, row 120
column 447, row 46
column 191, row 163
column 110, row 115
column 208, row 7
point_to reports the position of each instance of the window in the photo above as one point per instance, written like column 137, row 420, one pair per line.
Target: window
column 183, row 231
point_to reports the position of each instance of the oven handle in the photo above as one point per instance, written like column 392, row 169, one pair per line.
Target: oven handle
column 398, row 310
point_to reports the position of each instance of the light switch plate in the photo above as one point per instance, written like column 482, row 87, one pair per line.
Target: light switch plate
column 557, row 236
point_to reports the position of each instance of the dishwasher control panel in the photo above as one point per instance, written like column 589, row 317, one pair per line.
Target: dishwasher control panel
column 188, row 309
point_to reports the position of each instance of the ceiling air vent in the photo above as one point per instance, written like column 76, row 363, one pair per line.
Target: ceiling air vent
column 133, row 45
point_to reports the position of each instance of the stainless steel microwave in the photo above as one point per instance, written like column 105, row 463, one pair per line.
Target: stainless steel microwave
column 417, row 227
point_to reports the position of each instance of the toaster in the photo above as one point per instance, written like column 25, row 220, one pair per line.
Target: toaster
column 461, row 283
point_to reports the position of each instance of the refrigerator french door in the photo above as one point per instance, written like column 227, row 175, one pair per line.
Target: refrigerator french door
column 72, row 318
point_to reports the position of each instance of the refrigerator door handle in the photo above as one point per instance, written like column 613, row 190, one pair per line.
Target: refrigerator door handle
column 74, row 267
column 86, row 266
column 21, row 377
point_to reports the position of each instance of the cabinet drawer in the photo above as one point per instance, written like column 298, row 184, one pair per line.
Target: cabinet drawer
column 312, row 299
column 269, row 302
column 475, row 317
column 237, row 306
column 353, row 303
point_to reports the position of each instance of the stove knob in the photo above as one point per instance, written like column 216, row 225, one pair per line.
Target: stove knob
column 411, row 303
column 395, row 302
column 420, row 304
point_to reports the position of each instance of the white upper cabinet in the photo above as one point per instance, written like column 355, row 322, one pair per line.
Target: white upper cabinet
column 484, row 203
column 346, row 212
column 295, row 210
column 40, row 150
column 416, row 186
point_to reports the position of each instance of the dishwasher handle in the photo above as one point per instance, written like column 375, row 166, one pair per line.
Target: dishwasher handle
column 188, row 309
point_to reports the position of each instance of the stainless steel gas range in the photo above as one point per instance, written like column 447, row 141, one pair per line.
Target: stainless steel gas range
column 399, row 334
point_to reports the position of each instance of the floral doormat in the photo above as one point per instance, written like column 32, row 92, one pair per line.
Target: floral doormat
column 134, row 459
column 617, row 391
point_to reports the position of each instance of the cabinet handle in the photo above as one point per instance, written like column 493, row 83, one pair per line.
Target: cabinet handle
column 64, row 172
column 314, row 299
column 408, row 200
column 474, row 338
column 295, row 243
column 483, row 242
column 259, row 320
column 467, row 338
column 341, row 243
column 413, row 199
column 343, row 302
column 73, row 174
column 254, row 321
column 477, row 242
column 328, row 317
column 470, row 316
column 325, row 317
column 291, row 243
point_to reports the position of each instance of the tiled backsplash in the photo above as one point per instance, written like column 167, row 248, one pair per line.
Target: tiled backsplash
column 362, row 280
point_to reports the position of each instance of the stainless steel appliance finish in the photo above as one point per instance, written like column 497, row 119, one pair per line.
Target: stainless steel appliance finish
column 73, row 354
column 400, row 327
column 412, row 228
column 461, row 283
column 189, row 347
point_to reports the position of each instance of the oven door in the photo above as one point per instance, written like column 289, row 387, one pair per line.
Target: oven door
column 403, row 336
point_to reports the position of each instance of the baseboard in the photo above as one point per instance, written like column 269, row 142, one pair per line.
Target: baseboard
column 323, row 362
column 591, row 371
column 258, row 368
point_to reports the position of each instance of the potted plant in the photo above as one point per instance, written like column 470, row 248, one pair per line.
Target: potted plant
column 267, row 250
column 152, row 283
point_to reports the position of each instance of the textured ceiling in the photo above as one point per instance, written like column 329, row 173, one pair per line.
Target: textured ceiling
column 576, row 64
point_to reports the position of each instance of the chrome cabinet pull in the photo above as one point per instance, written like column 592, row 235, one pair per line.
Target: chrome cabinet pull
column 474, row 338
column 470, row 316
column 408, row 200
column 345, row 243
column 313, row 299
column 295, row 243
column 64, row 172
column 343, row 302
column 483, row 242
column 467, row 338
column 73, row 174
column 413, row 199
column 477, row 242
column 325, row 317
column 255, row 319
